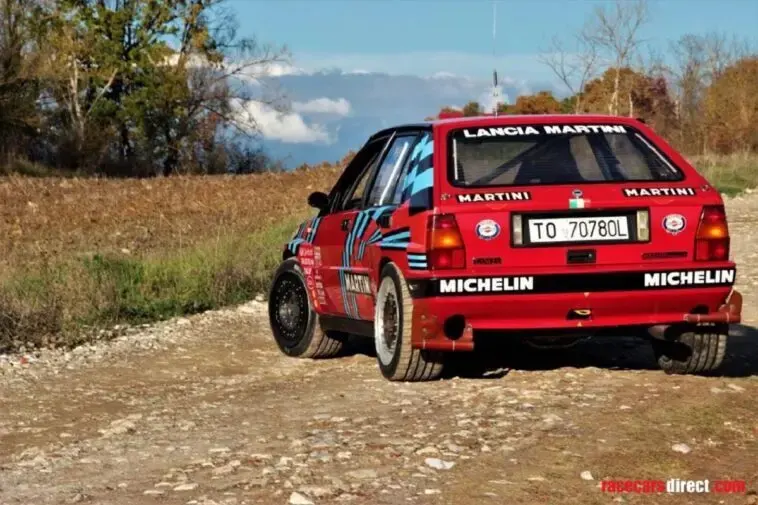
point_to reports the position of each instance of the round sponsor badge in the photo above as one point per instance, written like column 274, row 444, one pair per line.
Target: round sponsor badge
column 487, row 229
column 674, row 223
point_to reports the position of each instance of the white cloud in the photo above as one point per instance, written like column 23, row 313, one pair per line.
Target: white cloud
column 441, row 64
column 252, row 73
column 287, row 127
column 493, row 96
column 339, row 107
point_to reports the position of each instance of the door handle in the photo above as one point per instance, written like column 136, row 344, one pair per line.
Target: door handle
column 345, row 224
column 383, row 221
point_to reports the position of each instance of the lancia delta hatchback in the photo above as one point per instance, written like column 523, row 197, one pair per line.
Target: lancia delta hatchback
column 547, row 229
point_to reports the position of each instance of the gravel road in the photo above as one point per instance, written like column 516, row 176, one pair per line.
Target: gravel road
column 205, row 410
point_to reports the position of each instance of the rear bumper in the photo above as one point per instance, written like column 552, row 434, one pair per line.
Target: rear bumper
column 447, row 321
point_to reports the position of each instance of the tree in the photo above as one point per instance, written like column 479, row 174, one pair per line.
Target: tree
column 573, row 70
column 472, row 109
column 542, row 102
column 648, row 96
column 18, row 85
column 146, row 85
column 616, row 32
column 698, row 61
column 731, row 108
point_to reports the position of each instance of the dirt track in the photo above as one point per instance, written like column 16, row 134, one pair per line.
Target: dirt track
column 206, row 410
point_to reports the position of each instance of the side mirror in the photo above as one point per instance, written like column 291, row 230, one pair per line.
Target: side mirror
column 318, row 200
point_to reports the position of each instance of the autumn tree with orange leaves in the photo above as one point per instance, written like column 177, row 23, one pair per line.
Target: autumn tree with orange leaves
column 703, row 100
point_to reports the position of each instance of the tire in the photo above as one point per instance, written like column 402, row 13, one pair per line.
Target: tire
column 398, row 361
column 692, row 352
column 293, row 321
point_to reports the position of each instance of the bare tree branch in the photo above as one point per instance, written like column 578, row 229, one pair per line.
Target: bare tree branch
column 573, row 70
column 616, row 31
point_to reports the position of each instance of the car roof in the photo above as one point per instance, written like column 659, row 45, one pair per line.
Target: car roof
column 508, row 119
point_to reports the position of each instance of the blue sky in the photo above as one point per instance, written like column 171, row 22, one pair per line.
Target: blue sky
column 382, row 54
column 376, row 35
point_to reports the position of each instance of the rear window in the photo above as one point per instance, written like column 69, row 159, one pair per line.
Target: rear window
column 554, row 154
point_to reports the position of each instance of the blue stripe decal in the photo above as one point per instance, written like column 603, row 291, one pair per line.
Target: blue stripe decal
column 394, row 245
column 405, row 235
column 415, row 157
column 314, row 229
column 422, row 181
column 375, row 237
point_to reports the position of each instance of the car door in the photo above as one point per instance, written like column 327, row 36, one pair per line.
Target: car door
column 367, row 227
column 335, row 225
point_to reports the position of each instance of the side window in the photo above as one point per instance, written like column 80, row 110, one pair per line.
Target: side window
column 354, row 197
column 393, row 163
column 397, row 190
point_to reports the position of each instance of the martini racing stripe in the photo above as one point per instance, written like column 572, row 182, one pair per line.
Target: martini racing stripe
column 573, row 283
column 417, row 261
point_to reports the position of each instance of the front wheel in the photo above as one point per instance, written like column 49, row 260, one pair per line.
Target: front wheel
column 701, row 350
column 294, row 323
column 398, row 361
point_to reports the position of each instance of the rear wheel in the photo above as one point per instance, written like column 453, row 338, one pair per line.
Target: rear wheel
column 701, row 350
column 294, row 323
column 398, row 361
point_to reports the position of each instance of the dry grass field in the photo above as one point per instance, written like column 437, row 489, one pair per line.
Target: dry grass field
column 48, row 218
column 81, row 255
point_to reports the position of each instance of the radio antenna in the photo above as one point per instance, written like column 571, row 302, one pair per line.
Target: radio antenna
column 495, row 94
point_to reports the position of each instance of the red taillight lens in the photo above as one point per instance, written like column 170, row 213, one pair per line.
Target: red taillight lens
column 712, row 241
column 444, row 243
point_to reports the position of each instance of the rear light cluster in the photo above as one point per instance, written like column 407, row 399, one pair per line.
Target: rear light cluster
column 712, row 240
column 444, row 243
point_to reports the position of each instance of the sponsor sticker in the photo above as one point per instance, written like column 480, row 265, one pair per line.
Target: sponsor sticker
column 487, row 285
column 674, row 223
column 502, row 196
column 689, row 278
column 514, row 131
column 487, row 229
column 637, row 192
column 578, row 203
column 494, row 260
column 356, row 283
column 583, row 283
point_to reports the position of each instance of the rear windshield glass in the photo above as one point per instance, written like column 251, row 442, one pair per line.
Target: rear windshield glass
column 554, row 154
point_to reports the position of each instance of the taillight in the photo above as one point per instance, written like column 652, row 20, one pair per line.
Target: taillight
column 445, row 248
column 712, row 240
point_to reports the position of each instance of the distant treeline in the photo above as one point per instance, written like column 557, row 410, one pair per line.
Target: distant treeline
column 703, row 97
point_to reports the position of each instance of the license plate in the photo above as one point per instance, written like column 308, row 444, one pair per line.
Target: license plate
column 578, row 229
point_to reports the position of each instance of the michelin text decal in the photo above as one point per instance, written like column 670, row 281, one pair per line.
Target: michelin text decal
column 689, row 278
column 632, row 192
column 579, row 283
column 487, row 285
column 511, row 131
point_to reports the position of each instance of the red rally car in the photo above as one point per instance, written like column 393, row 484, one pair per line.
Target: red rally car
column 545, row 228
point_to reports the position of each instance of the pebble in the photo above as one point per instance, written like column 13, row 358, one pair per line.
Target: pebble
column 189, row 486
column 682, row 448
column 364, row 474
column 439, row 464
column 586, row 475
column 299, row 499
